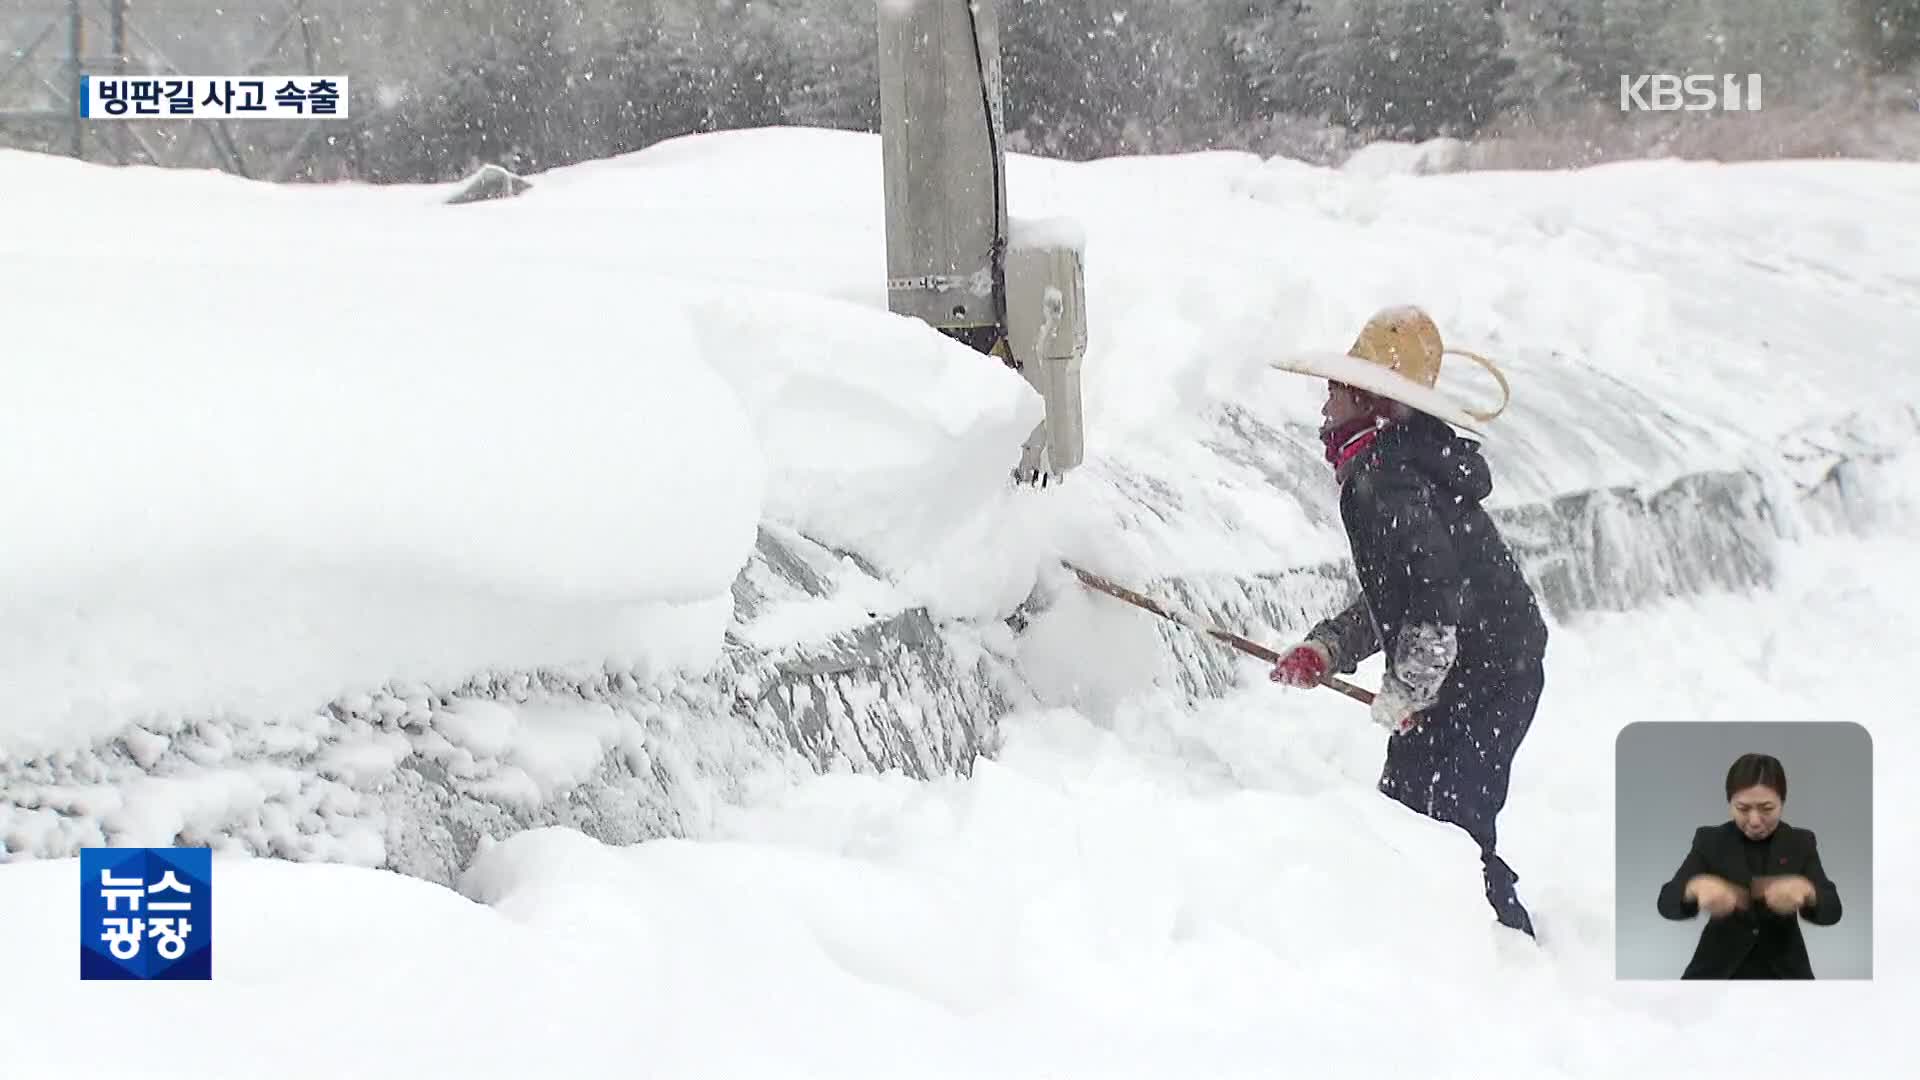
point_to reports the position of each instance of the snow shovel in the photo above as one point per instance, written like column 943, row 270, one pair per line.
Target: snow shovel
column 1251, row 648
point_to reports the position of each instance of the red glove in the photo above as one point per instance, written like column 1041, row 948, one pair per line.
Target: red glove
column 1302, row 666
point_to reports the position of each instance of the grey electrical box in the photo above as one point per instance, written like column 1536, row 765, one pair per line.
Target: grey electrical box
column 941, row 143
column 1047, row 334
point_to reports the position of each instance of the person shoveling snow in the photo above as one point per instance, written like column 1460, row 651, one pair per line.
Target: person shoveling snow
column 1441, row 593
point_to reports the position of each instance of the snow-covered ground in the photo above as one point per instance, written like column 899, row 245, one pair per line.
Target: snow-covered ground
column 265, row 448
column 1157, row 893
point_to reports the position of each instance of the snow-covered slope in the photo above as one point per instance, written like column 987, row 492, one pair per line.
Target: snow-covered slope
column 342, row 524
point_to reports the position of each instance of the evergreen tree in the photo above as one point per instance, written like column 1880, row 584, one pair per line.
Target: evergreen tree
column 1406, row 69
column 1048, row 59
column 495, row 104
column 1544, row 84
column 834, row 56
column 1887, row 32
column 1605, row 39
column 1084, row 78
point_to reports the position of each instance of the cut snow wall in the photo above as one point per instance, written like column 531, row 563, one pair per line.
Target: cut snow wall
column 414, row 778
column 1613, row 549
column 1601, row 550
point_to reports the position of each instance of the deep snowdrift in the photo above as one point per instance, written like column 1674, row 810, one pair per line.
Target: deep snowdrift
column 258, row 468
column 339, row 436
column 345, row 525
column 1167, row 893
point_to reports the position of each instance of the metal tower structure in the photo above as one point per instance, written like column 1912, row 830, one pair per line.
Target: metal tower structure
column 47, row 45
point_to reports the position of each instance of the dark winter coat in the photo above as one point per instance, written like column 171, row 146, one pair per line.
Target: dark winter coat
column 1426, row 553
column 1767, row 945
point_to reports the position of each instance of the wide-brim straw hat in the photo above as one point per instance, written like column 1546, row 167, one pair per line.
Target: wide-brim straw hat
column 1398, row 356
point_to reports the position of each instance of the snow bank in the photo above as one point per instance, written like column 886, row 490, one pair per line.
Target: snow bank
column 1060, row 232
column 328, row 439
column 547, row 449
column 457, row 414
column 320, row 484
column 1158, row 893
column 1380, row 159
column 1622, row 300
column 836, row 673
column 879, row 437
column 298, row 948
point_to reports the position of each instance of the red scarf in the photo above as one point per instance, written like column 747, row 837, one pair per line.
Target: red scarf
column 1347, row 441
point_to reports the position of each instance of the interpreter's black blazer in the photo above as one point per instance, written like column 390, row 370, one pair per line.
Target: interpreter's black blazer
column 1725, row 942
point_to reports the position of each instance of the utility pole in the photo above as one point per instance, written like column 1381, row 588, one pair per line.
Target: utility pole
column 1009, row 289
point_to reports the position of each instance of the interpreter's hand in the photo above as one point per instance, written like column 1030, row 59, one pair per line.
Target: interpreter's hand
column 1302, row 666
column 1784, row 895
column 1716, row 896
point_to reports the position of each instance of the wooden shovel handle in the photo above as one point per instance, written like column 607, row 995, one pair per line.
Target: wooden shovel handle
column 1251, row 648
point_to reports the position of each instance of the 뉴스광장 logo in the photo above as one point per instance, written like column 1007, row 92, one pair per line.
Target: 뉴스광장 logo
column 146, row 913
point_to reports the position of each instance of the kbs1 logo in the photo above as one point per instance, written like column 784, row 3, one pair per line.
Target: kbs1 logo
column 213, row 97
column 146, row 913
column 1689, row 93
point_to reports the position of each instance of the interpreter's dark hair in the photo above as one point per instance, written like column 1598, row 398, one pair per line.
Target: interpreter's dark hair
column 1751, row 769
